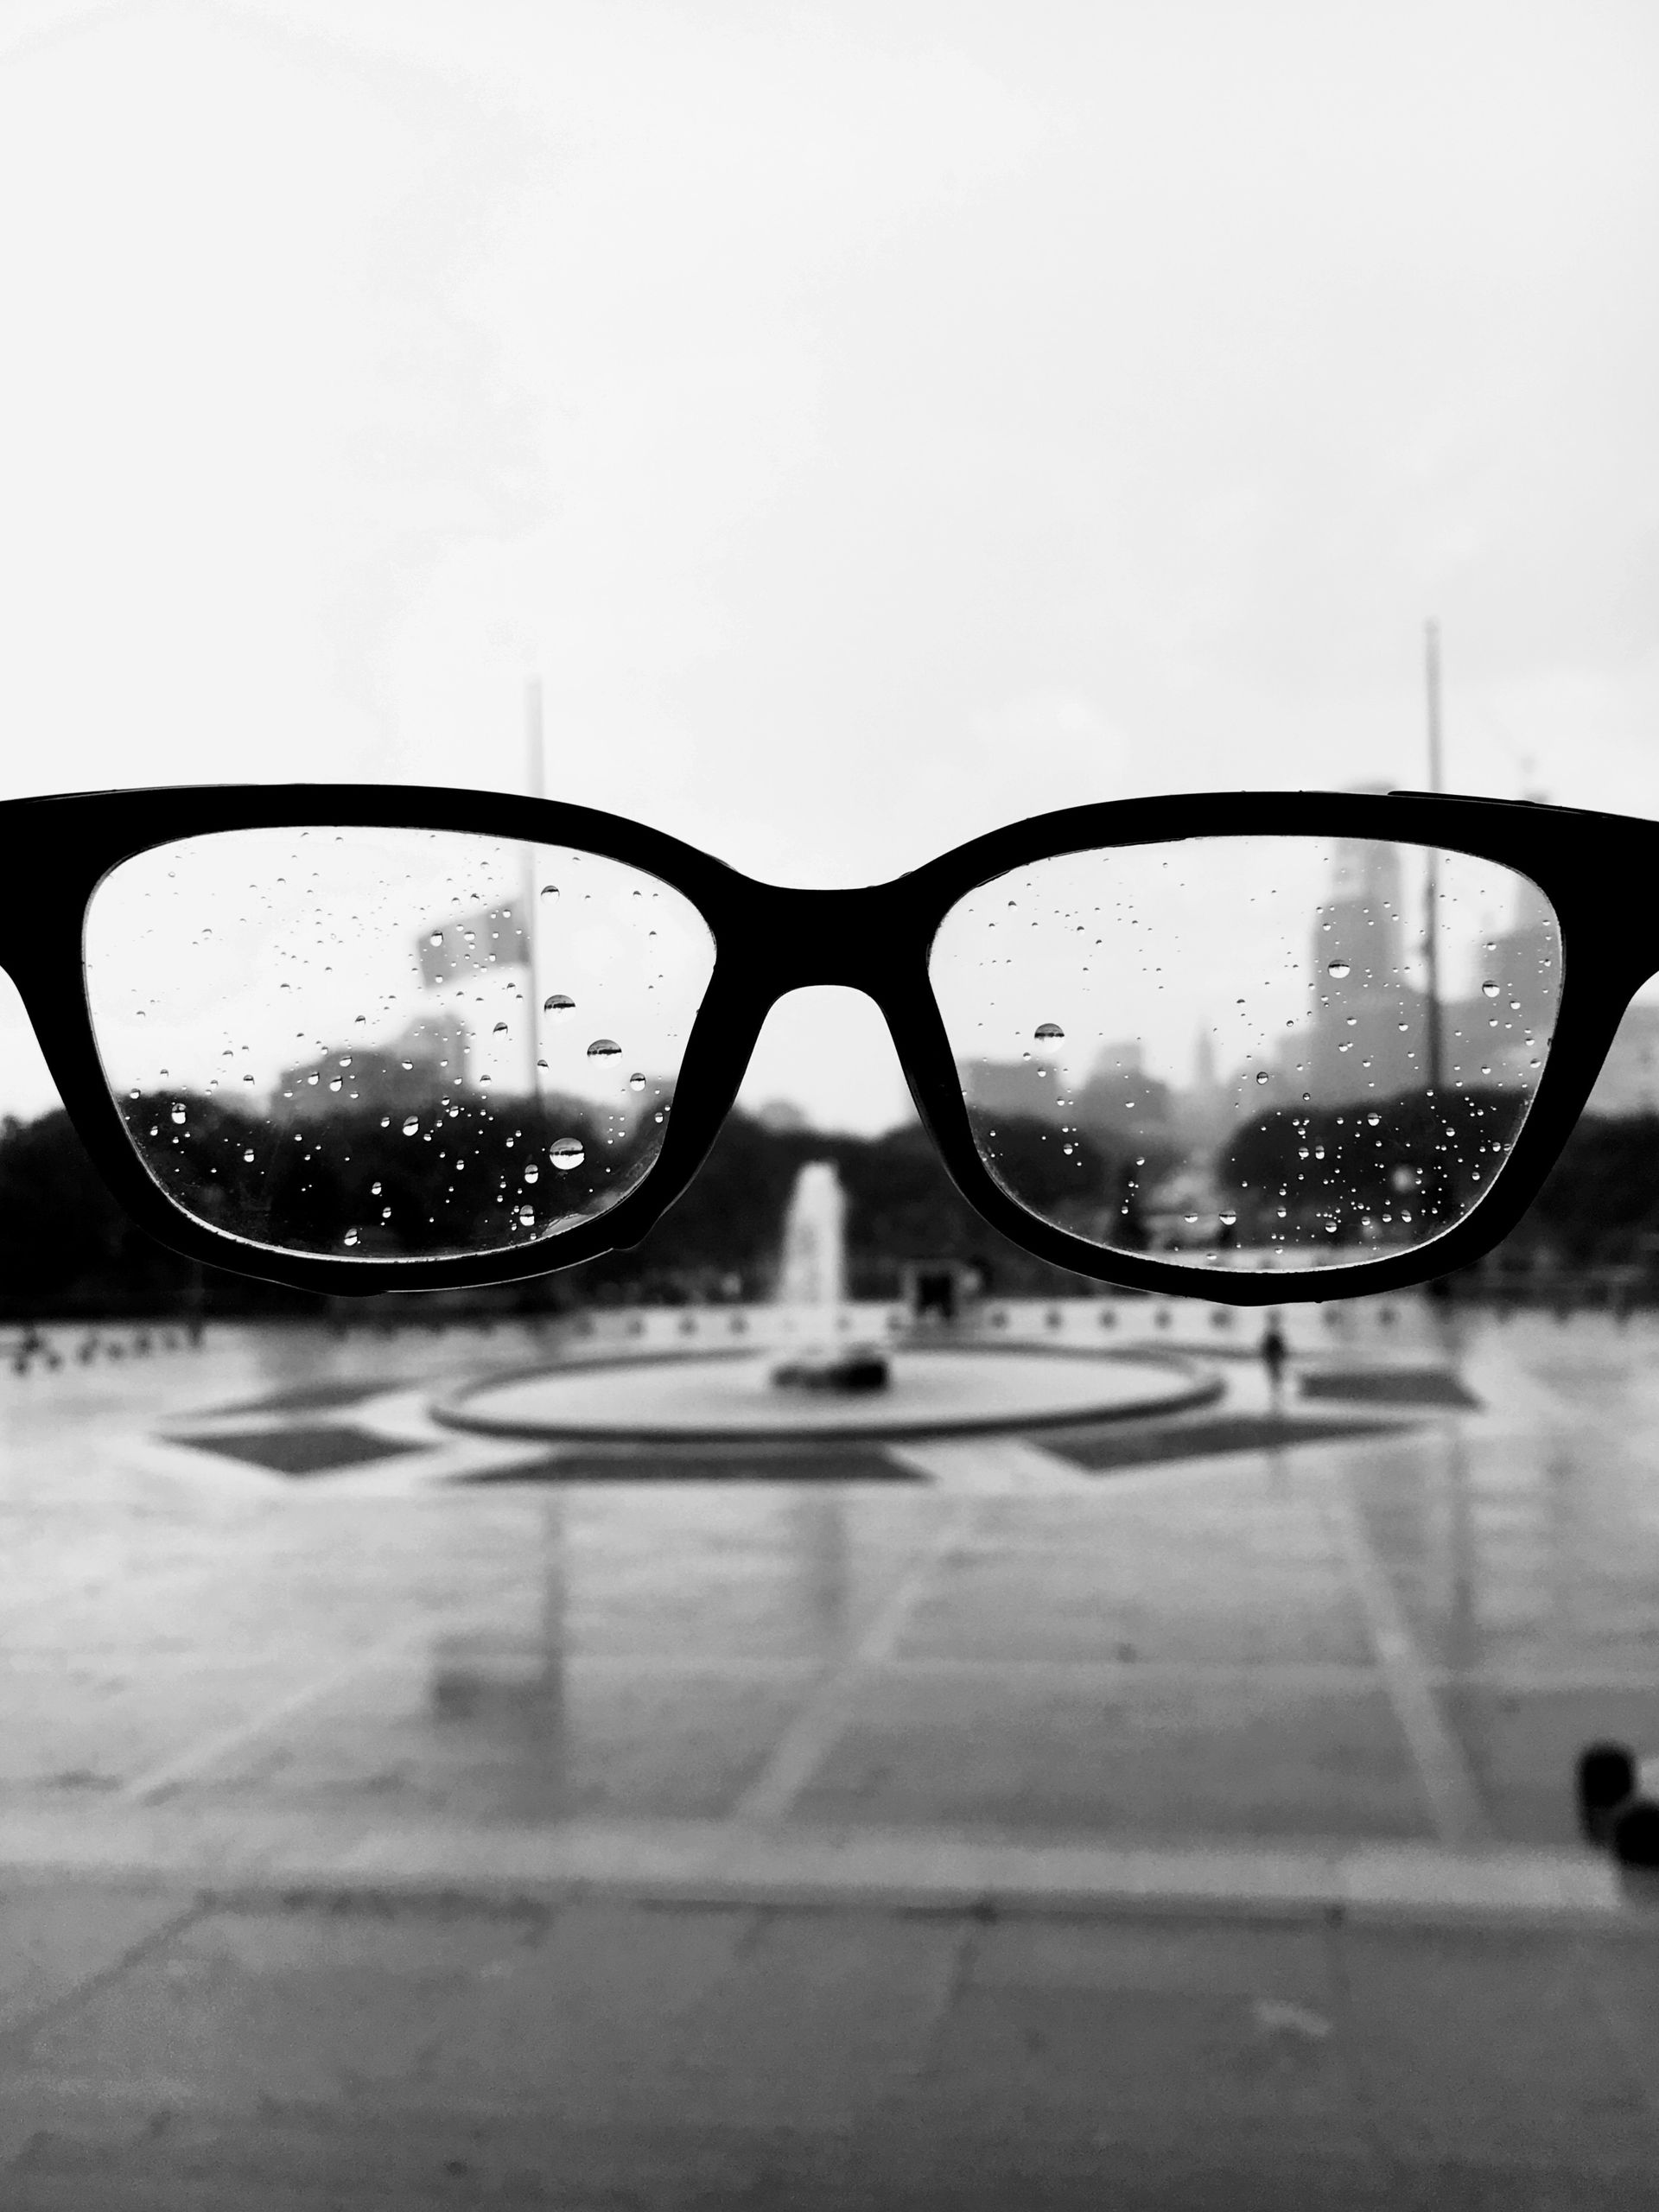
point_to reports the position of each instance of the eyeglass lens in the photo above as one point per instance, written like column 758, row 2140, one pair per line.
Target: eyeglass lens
column 1250, row 1051
column 390, row 1044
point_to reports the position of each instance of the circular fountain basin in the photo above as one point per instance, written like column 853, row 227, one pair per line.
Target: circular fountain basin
column 729, row 1398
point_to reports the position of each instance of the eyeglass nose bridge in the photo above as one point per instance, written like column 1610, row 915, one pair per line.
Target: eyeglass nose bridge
column 799, row 939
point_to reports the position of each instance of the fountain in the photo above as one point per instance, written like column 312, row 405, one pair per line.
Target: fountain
column 803, row 1373
column 813, row 1292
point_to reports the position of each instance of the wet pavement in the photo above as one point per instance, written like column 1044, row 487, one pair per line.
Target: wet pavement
column 171, row 2052
column 256, row 1579
column 438, row 1813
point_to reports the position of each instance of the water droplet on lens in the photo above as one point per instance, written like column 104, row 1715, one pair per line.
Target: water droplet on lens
column 1047, row 1031
column 636, row 1081
column 559, row 1006
column 350, row 1236
column 1489, row 990
column 248, row 1156
column 410, row 1124
column 532, row 1173
column 603, row 1048
column 499, row 1030
column 566, row 1153
column 1228, row 1218
column 1262, row 1075
column 178, row 1113
column 1329, row 1228
column 527, row 1217
column 374, row 1189
column 550, row 891
column 1338, row 968
column 437, row 937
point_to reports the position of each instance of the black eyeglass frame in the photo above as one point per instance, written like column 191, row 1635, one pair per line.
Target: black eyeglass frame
column 1595, row 869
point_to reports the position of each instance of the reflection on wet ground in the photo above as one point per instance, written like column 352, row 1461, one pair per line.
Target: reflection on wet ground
column 1387, row 1610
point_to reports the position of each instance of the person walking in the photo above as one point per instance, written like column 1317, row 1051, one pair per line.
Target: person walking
column 1274, row 1351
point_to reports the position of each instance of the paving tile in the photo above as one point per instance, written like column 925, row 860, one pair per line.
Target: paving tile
column 55, row 1940
column 1490, row 2048
column 1289, row 1965
column 595, row 2020
column 266, row 2008
column 1125, row 2067
column 495, row 1731
column 1181, row 1760
column 1104, row 1602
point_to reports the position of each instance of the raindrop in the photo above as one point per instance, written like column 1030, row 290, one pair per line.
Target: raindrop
column 178, row 1114
column 1336, row 968
column 1329, row 1228
column 532, row 1173
column 360, row 1021
column 374, row 1189
column 636, row 1081
column 559, row 1006
column 334, row 1085
column 437, row 937
column 1229, row 1218
column 567, row 1154
column 1260, row 1075
column 1373, row 1119
column 1489, row 990
column 499, row 1030
column 1068, row 1149
column 550, row 891
column 1189, row 1219
column 248, row 1156
column 350, row 1236
column 603, row 1048
column 132, row 1094
column 411, row 1123
column 1046, row 1032
column 527, row 1217
column 247, row 1078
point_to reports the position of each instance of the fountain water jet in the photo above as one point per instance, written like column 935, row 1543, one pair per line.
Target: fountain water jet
column 812, row 1290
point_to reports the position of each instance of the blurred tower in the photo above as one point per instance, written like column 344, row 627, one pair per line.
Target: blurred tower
column 1366, row 1019
column 1363, row 912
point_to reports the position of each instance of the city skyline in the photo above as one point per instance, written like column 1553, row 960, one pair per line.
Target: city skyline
column 868, row 429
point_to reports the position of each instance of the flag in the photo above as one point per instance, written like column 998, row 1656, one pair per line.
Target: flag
column 472, row 943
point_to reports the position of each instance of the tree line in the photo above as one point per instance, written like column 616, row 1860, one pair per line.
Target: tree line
column 68, row 1249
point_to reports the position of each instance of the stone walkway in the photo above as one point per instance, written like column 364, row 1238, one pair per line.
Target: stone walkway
column 168, row 2051
column 1051, row 1821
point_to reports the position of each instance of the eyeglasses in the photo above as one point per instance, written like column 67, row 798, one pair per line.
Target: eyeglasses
column 1253, row 1047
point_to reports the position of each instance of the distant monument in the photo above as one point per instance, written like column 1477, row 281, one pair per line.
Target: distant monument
column 812, row 1287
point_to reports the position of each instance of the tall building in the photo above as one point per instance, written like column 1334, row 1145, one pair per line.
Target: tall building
column 1119, row 1100
column 1369, row 1037
column 1020, row 1088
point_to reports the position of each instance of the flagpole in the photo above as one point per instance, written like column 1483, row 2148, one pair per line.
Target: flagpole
column 536, row 777
column 1431, row 934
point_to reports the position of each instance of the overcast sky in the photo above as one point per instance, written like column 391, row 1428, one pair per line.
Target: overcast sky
column 873, row 421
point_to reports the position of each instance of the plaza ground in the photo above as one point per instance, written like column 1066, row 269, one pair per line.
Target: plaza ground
column 1182, row 1806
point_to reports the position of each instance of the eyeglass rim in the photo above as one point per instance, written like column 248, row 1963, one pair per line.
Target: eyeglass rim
column 771, row 938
